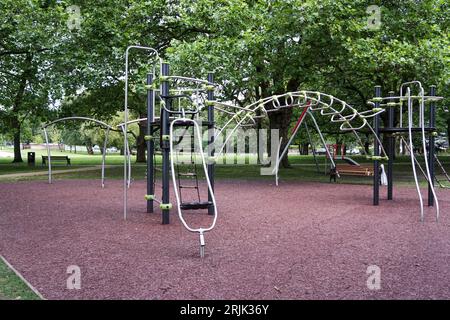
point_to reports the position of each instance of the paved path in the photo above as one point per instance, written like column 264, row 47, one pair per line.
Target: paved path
column 44, row 172
column 5, row 154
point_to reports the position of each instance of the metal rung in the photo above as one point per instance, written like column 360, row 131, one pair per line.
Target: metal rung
column 195, row 205
column 189, row 187
column 189, row 174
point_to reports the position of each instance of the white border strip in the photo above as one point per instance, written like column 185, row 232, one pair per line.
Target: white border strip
column 22, row 278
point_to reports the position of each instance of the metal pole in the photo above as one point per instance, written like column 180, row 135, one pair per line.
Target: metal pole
column 48, row 157
column 211, row 208
column 286, row 147
column 391, row 149
column 411, row 150
column 104, row 156
column 165, row 145
column 129, row 163
column 324, row 143
column 108, row 127
column 150, row 144
column 125, row 140
column 376, row 151
column 313, row 148
column 431, row 149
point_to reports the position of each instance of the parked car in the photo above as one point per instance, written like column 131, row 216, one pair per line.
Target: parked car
column 321, row 151
column 354, row 151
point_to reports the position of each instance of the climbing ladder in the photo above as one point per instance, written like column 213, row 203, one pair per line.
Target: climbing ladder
column 188, row 179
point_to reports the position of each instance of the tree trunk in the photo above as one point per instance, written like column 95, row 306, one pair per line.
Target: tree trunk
column 280, row 120
column 15, row 122
column 367, row 144
column 89, row 149
column 305, row 149
column 17, row 151
column 261, row 91
column 258, row 130
column 141, row 146
column 448, row 129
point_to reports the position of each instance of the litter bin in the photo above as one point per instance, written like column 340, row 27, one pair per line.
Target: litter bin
column 31, row 158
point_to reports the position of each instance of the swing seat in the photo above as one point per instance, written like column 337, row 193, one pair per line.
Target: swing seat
column 195, row 205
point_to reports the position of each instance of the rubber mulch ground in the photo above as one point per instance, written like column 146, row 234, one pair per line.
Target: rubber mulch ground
column 297, row 241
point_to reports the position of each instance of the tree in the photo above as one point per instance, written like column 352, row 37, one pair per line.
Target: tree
column 31, row 34
column 271, row 47
column 107, row 29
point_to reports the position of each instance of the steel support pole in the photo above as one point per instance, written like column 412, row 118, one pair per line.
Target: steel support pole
column 211, row 164
column 165, row 145
column 431, row 148
column 391, row 149
column 150, row 144
column 376, row 151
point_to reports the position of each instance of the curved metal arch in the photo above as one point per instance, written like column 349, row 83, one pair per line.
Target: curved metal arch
column 314, row 96
column 190, row 79
column 125, row 128
column 108, row 128
column 78, row 118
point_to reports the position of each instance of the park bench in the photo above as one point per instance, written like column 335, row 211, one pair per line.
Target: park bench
column 351, row 170
column 55, row 158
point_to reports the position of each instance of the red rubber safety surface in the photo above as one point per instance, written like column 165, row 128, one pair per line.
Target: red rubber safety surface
column 297, row 241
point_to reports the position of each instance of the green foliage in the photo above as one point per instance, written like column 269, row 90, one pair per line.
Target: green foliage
column 319, row 45
column 12, row 287
column 255, row 47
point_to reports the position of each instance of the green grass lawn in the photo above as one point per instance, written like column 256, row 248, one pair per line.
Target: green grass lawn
column 12, row 287
column 303, row 168
column 79, row 158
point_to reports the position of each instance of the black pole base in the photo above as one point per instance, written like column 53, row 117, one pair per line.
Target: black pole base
column 165, row 217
